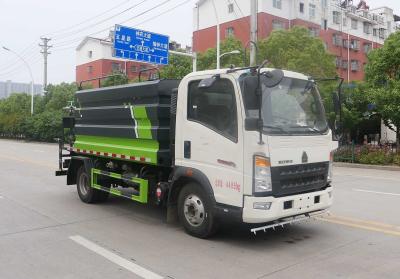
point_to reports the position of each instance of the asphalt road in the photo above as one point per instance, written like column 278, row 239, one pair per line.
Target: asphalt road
column 47, row 232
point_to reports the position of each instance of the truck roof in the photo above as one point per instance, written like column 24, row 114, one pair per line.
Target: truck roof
column 290, row 74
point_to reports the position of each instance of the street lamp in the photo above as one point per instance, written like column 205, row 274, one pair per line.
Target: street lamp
column 30, row 72
column 229, row 53
column 218, row 36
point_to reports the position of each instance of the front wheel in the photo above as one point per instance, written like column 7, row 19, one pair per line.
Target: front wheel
column 195, row 211
column 86, row 193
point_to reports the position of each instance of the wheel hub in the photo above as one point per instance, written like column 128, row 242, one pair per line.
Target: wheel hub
column 84, row 184
column 194, row 210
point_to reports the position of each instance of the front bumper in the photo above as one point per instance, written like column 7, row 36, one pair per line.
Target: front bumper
column 280, row 207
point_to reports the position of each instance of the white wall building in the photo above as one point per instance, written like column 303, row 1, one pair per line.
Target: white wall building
column 8, row 87
column 348, row 30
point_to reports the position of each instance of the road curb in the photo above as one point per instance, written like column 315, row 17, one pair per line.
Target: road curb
column 363, row 166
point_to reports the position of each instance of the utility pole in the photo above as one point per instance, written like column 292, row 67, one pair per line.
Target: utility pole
column 218, row 36
column 253, row 31
column 45, row 51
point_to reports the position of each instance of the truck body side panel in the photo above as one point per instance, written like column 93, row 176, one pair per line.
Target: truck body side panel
column 130, row 122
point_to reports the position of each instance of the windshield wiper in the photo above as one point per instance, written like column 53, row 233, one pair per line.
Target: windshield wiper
column 309, row 127
column 275, row 127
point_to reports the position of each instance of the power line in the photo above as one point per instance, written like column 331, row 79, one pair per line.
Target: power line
column 137, row 24
column 30, row 50
column 24, row 53
column 163, row 13
column 73, row 32
column 238, row 18
column 240, row 10
column 19, row 64
column 155, row 7
column 68, row 42
column 88, row 19
column 17, row 68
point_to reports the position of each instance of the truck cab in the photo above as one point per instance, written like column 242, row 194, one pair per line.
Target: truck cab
column 288, row 173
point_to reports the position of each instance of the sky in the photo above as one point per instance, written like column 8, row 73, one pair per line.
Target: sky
column 23, row 22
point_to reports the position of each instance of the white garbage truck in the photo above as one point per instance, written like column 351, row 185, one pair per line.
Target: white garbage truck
column 247, row 144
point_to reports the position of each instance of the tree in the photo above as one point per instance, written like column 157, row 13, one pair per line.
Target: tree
column 208, row 59
column 383, row 75
column 384, row 63
column 13, row 112
column 355, row 108
column 387, row 105
column 58, row 96
column 178, row 67
column 116, row 78
column 16, row 120
column 297, row 50
column 44, row 126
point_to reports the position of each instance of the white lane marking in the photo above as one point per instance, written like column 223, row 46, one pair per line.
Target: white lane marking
column 376, row 192
column 134, row 268
column 1, row 197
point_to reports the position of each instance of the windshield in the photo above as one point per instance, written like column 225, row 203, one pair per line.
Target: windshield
column 292, row 107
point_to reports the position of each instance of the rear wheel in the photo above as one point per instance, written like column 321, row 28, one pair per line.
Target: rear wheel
column 86, row 193
column 195, row 211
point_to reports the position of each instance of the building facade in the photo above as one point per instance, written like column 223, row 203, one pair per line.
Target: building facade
column 8, row 87
column 94, row 59
column 348, row 31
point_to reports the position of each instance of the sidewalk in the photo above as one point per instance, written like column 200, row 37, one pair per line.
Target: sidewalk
column 363, row 166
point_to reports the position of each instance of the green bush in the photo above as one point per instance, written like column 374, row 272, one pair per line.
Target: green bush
column 376, row 158
column 16, row 120
column 44, row 126
column 367, row 154
column 396, row 159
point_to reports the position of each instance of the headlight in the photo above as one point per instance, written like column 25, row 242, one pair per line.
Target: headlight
column 262, row 174
column 330, row 167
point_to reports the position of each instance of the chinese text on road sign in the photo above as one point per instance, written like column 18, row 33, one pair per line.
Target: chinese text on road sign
column 139, row 45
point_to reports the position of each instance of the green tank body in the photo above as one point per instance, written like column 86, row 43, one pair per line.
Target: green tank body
column 129, row 122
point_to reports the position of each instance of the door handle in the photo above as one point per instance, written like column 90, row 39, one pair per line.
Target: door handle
column 226, row 163
column 187, row 149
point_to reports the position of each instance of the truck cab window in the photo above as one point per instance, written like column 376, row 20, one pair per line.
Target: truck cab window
column 214, row 107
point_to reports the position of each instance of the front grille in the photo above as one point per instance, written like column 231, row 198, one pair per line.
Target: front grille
column 296, row 179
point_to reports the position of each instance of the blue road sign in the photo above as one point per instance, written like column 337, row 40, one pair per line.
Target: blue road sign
column 139, row 45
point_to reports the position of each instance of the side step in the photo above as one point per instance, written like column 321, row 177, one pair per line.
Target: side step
column 139, row 196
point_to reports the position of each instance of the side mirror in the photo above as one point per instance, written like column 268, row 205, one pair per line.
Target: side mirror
column 252, row 124
column 272, row 78
column 249, row 92
column 336, row 102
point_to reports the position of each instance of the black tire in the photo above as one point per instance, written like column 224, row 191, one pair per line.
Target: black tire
column 194, row 222
column 86, row 193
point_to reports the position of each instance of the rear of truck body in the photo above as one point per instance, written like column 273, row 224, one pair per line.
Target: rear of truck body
column 191, row 148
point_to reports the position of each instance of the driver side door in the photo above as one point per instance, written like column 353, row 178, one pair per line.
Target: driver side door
column 211, row 137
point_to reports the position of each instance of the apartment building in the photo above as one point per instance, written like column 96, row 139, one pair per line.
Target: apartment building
column 9, row 87
column 349, row 30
